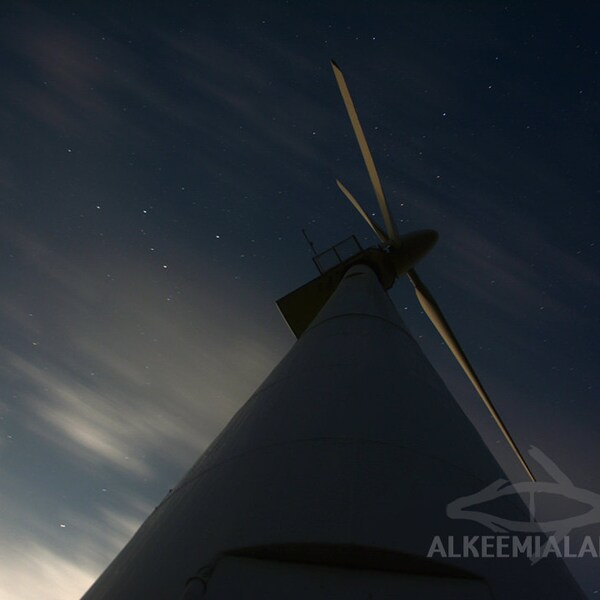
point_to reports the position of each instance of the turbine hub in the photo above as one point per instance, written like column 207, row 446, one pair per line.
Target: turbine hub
column 407, row 250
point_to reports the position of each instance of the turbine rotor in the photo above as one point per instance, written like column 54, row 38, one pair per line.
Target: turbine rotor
column 405, row 251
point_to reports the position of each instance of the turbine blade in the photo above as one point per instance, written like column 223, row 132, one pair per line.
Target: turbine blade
column 378, row 231
column 366, row 153
column 433, row 311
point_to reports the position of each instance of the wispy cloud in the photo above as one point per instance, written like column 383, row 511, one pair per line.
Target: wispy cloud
column 60, row 560
column 32, row 572
column 123, row 375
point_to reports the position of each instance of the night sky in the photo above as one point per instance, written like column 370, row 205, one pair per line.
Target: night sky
column 158, row 162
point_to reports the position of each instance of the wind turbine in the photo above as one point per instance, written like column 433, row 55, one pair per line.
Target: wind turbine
column 333, row 478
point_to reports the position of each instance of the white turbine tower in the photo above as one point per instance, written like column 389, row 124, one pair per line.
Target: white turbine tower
column 333, row 479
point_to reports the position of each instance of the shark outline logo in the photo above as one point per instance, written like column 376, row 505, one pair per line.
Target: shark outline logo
column 561, row 485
